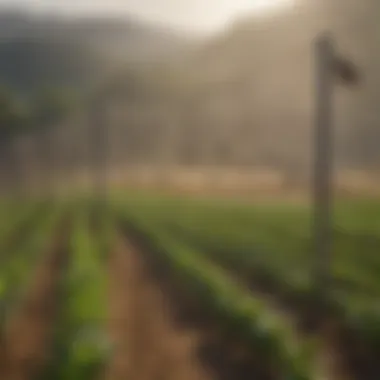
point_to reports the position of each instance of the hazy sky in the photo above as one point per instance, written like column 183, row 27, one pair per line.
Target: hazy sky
column 201, row 15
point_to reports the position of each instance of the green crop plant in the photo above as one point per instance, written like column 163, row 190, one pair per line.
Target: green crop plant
column 242, row 315
column 81, row 345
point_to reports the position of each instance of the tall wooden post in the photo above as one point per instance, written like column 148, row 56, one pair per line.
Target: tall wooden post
column 323, row 160
column 98, row 136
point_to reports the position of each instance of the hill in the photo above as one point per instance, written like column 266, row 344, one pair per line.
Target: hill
column 253, row 87
column 53, row 50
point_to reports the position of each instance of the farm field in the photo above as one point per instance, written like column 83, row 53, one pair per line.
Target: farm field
column 179, row 288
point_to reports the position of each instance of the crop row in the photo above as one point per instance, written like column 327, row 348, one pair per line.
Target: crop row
column 242, row 316
column 81, row 347
column 264, row 246
column 354, row 289
column 22, row 246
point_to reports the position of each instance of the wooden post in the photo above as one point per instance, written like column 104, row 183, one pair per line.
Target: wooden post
column 98, row 135
column 324, row 55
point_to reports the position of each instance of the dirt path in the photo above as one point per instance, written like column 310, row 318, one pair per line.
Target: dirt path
column 30, row 329
column 148, row 344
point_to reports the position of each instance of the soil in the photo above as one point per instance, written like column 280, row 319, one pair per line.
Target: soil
column 29, row 330
column 160, row 331
column 147, row 343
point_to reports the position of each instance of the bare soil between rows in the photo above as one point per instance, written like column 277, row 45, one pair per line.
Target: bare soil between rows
column 148, row 344
column 29, row 331
column 161, row 331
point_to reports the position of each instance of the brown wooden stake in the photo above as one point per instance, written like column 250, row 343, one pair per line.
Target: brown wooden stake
column 324, row 54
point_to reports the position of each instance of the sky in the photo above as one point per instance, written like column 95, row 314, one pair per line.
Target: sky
column 191, row 15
